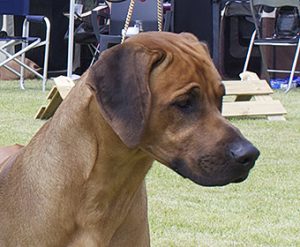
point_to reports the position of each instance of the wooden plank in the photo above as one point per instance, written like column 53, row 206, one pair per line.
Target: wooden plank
column 253, row 108
column 259, row 87
column 56, row 95
column 52, row 106
column 40, row 112
column 64, row 85
column 52, row 93
column 263, row 98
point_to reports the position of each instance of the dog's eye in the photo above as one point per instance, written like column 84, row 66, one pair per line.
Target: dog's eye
column 186, row 103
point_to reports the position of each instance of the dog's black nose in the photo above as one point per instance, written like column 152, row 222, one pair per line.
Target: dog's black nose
column 244, row 153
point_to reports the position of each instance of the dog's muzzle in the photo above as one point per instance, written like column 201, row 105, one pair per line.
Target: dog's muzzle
column 243, row 155
column 217, row 169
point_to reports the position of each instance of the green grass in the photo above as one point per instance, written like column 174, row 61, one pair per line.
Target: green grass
column 262, row 211
column 17, row 110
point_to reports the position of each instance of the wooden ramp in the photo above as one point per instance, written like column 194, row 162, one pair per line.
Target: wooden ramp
column 251, row 97
column 62, row 87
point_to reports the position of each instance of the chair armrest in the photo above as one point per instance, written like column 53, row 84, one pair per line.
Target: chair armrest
column 35, row 18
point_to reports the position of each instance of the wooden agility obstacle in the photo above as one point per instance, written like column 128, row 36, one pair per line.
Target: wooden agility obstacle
column 57, row 94
column 251, row 97
column 247, row 97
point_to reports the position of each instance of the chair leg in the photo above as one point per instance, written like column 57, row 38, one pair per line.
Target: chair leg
column 293, row 68
column 249, row 51
column 46, row 56
column 22, row 84
column 95, row 55
column 24, row 34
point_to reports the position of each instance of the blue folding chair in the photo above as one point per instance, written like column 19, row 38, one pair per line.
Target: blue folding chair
column 27, row 42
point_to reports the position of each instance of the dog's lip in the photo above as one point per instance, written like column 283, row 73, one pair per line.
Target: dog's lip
column 241, row 178
column 206, row 180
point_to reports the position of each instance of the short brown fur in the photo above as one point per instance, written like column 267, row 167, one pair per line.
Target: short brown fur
column 80, row 180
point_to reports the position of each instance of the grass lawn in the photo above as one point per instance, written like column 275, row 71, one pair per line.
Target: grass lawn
column 262, row 211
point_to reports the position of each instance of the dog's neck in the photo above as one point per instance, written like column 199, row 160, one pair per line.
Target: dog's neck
column 116, row 173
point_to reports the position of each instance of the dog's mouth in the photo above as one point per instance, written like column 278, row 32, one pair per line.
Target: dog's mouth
column 241, row 179
column 230, row 174
column 209, row 170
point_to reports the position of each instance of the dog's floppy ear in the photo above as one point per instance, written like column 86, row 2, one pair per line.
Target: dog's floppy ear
column 120, row 80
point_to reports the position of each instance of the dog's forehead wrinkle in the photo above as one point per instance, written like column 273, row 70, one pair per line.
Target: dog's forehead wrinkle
column 200, row 70
column 186, row 48
column 212, row 82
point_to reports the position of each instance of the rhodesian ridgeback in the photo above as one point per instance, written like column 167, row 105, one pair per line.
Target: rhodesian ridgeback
column 80, row 180
column 5, row 152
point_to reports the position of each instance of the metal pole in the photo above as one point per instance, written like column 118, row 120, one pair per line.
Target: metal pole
column 216, row 31
column 71, row 39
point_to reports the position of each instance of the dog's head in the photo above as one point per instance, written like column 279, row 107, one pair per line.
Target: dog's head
column 161, row 93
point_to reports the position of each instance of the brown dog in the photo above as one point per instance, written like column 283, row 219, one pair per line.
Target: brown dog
column 6, row 74
column 5, row 152
column 80, row 181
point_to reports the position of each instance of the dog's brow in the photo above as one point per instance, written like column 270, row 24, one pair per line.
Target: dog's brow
column 186, row 89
